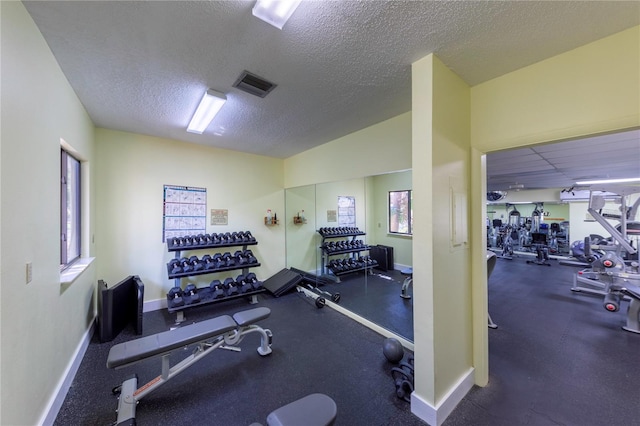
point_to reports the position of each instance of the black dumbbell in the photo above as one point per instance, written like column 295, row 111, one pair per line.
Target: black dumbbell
column 208, row 262
column 229, row 260
column 243, row 284
column 215, row 238
column 174, row 266
column 218, row 261
column 240, row 258
column 334, row 297
column 250, row 257
column 185, row 265
column 319, row 301
column 195, row 262
column 251, row 277
column 248, row 237
column 192, row 292
column 175, row 297
column 231, row 286
column 217, row 289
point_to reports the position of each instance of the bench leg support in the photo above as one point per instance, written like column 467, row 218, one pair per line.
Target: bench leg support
column 127, row 403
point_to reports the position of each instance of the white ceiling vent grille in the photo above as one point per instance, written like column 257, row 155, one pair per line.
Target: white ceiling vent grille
column 254, row 84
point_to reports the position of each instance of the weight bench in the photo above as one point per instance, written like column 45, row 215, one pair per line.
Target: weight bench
column 208, row 335
column 316, row 409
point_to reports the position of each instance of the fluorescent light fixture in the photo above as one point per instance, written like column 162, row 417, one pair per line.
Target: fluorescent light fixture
column 596, row 182
column 275, row 12
column 209, row 106
column 519, row 202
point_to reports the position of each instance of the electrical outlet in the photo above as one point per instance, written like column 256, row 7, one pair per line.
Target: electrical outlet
column 29, row 272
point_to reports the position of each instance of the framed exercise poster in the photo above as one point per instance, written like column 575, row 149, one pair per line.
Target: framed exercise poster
column 346, row 211
column 184, row 211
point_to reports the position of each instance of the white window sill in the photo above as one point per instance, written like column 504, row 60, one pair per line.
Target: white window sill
column 70, row 274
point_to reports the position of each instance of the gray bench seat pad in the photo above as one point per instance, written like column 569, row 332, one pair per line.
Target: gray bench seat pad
column 167, row 341
column 251, row 316
column 316, row 409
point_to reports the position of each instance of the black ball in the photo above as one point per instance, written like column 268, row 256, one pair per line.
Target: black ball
column 392, row 350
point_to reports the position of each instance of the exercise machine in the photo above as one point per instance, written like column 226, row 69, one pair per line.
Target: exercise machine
column 612, row 304
column 223, row 331
column 616, row 272
column 539, row 242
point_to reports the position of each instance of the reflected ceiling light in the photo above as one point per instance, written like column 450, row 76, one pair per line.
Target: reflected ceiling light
column 596, row 182
column 275, row 12
column 209, row 106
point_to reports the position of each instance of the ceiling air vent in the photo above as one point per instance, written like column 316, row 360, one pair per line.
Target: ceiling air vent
column 254, row 84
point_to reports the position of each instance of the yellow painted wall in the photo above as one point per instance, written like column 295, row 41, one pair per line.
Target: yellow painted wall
column 301, row 237
column 381, row 148
column 42, row 322
column 442, row 282
column 130, row 177
column 589, row 90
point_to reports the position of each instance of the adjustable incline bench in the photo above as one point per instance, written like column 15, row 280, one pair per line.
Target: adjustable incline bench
column 208, row 335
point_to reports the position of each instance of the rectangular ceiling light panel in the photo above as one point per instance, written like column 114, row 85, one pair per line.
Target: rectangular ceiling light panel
column 275, row 12
column 209, row 106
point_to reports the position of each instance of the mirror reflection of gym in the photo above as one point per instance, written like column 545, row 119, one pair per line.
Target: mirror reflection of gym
column 374, row 296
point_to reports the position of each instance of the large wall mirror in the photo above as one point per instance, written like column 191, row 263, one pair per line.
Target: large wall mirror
column 362, row 203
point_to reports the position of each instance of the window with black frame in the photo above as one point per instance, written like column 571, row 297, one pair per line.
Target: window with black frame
column 400, row 212
column 69, row 209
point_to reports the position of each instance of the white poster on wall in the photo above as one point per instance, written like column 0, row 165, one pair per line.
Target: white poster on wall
column 184, row 211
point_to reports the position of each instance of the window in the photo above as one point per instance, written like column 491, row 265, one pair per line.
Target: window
column 69, row 209
column 400, row 212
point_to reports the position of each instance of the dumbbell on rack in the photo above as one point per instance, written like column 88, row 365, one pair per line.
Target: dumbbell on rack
column 251, row 278
column 196, row 263
column 191, row 292
column 231, row 286
column 175, row 297
column 217, row 289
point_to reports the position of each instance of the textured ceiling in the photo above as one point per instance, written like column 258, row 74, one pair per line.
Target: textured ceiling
column 340, row 66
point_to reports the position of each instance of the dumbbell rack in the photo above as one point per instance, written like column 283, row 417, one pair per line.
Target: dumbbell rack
column 206, row 293
column 326, row 254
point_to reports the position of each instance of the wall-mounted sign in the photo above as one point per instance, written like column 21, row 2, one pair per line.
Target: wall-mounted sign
column 219, row 216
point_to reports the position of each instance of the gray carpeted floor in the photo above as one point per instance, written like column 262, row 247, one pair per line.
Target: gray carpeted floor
column 557, row 358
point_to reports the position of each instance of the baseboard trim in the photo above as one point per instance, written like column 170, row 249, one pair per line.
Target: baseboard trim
column 154, row 305
column 435, row 416
column 57, row 398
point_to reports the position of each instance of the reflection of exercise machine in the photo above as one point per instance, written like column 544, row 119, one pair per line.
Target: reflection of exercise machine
column 404, row 292
column 491, row 263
